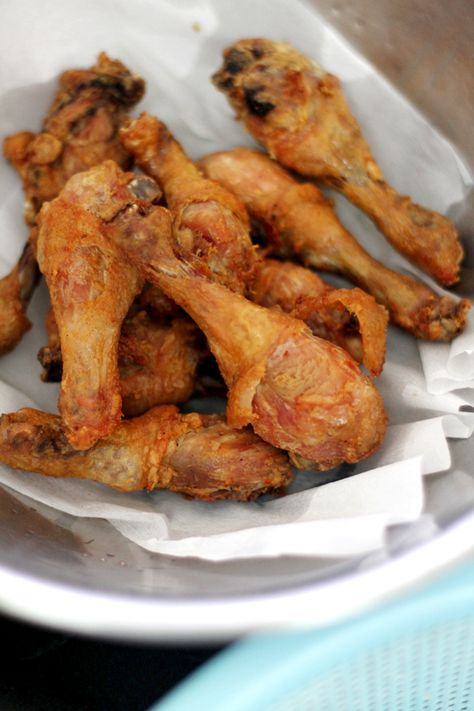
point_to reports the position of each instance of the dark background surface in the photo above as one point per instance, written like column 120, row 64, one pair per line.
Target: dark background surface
column 43, row 669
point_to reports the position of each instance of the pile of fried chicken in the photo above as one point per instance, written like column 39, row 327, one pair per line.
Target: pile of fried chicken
column 154, row 278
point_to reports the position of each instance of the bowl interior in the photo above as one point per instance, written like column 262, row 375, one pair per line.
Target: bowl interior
column 88, row 554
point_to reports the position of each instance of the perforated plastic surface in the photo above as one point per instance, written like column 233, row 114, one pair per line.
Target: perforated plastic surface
column 432, row 670
column 414, row 654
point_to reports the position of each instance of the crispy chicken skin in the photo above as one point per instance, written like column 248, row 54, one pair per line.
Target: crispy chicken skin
column 79, row 131
column 348, row 317
column 155, row 303
column 210, row 226
column 157, row 360
column 196, row 455
column 92, row 288
column 299, row 392
column 15, row 292
column 299, row 220
column 298, row 112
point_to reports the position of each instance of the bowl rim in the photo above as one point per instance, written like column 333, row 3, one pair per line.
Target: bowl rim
column 136, row 618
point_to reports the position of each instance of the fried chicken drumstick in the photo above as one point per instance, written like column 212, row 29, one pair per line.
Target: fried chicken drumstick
column 79, row 131
column 348, row 317
column 298, row 392
column 15, row 293
column 298, row 112
column 157, row 360
column 196, row 455
column 210, row 226
column 298, row 219
column 92, row 288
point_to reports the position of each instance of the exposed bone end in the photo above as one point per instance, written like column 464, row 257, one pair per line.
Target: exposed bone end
column 441, row 319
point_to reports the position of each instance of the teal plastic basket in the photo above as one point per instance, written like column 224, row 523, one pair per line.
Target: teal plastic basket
column 413, row 655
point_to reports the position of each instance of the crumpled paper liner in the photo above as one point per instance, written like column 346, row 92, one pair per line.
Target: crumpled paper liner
column 176, row 46
column 450, row 366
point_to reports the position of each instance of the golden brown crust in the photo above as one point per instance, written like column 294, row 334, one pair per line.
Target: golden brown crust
column 282, row 380
column 13, row 321
column 155, row 303
column 299, row 220
column 15, row 291
column 329, row 416
column 80, row 130
column 210, row 226
column 91, row 288
column 348, row 317
column 196, row 455
column 298, row 112
column 157, row 360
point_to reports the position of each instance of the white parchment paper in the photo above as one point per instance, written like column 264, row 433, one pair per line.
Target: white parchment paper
column 176, row 46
